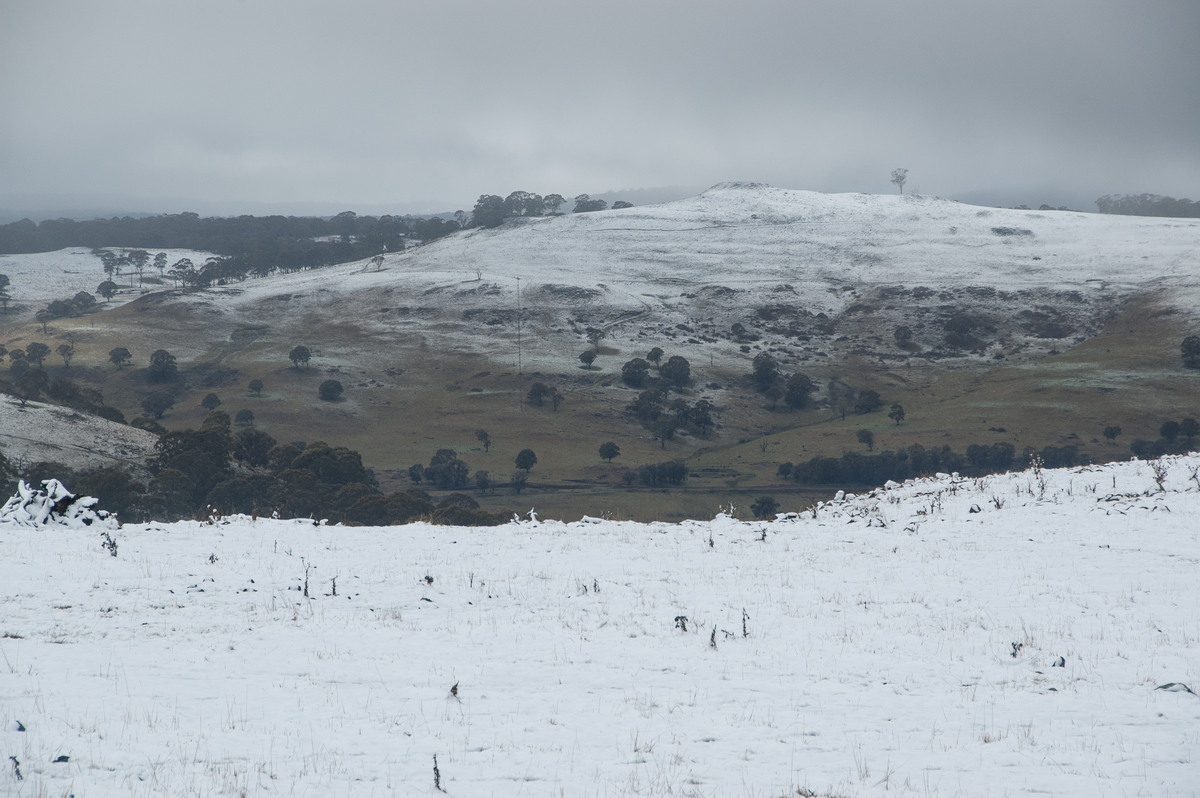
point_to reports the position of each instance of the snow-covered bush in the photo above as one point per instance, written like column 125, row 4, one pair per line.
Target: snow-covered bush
column 52, row 504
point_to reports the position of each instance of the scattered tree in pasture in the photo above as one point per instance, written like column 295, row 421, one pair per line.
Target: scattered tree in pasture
column 798, row 391
column 609, row 450
column 900, row 177
column 866, row 438
column 183, row 271
column 595, row 335
column 66, row 352
column 841, row 396
column 300, row 355
column 244, row 418
column 765, row 370
column 526, row 460
column 587, row 357
column 256, row 387
column 484, row 438
column 162, row 366
column 210, row 401
column 36, row 352
column 330, row 390
column 897, row 414
column 867, row 402
column 83, row 302
column 119, row 356
column 677, row 370
column 634, row 372
column 539, row 392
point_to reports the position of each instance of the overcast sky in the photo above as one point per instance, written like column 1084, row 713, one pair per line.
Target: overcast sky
column 226, row 107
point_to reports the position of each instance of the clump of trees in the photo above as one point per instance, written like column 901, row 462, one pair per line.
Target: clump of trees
column 855, row 468
column 79, row 304
column 27, row 380
column 540, row 393
column 212, row 469
column 796, row 390
column 1174, row 437
column 843, row 397
column 447, row 471
column 244, row 246
column 1148, row 205
column 675, row 373
column 660, row 475
column 663, row 416
column 491, row 210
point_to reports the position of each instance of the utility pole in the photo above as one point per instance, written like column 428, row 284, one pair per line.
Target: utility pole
column 519, row 371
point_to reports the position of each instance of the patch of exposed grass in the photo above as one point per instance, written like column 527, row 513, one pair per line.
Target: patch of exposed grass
column 404, row 400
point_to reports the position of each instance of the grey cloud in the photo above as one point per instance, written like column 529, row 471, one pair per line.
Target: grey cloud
column 376, row 102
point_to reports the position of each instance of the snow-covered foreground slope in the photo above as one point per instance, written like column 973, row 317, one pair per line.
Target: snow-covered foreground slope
column 903, row 643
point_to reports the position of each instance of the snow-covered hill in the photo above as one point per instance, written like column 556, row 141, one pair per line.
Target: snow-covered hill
column 1027, row 633
column 818, row 275
column 40, row 432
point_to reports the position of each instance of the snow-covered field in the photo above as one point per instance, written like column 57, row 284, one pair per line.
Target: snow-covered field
column 1020, row 634
column 41, row 277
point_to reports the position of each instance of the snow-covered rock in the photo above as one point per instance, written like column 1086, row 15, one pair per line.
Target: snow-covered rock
column 52, row 504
